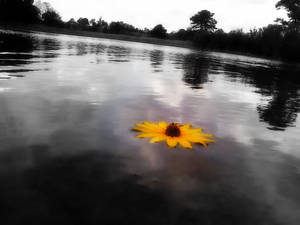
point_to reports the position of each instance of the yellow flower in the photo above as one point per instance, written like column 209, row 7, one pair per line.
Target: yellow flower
column 173, row 134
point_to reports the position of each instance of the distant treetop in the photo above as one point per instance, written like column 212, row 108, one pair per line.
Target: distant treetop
column 204, row 21
column 159, row 32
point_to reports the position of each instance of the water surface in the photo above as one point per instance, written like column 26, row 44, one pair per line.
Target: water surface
column 68, row 156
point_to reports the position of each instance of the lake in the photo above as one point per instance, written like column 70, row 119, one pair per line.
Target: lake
column 68, row 154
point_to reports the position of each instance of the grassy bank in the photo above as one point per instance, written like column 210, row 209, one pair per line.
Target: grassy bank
column 141, row 39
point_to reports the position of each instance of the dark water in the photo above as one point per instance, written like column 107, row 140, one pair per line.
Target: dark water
column 67, row 155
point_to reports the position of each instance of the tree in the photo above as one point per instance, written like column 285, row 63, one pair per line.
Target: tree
column 293, row 9
column 19, row 11
column 52, row 18
column 159, row 32
column 43, row 6
column 203, row 21
column 93, row 25
column 102, row 25
column 182, row 34
column 72, row 24
column 120, row 27
column 83, row 23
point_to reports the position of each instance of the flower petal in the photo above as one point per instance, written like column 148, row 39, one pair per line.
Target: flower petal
column 185, row 144
column 199, row 139
column 162, row 124
column 157, row 139
column 149, row 127
column 195, row 130
column 146, row 130
column 186, row 126
column 146, row 135
column 145, row 126
column 204, row 139
column 172, row 142
column 139, row 129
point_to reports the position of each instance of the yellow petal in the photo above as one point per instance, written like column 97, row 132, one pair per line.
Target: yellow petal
column 185, row 131
column 195, row 130
column 186, row 126
column 185, row 144
column 200, row 140
column 172, row 142
column 206, row 135
column 157, row 139
column 139, row 129
column 200, row 136
column 145, row 126
column 146, row 135
column 205, row 139
column 147, row 130
column 149, row 127
column 162, row 125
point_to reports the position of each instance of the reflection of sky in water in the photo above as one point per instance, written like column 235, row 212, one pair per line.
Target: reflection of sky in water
column 81, row 95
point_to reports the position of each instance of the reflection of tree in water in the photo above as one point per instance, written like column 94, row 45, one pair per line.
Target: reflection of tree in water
column 97, row 49
column 281, row 84
column 196, row 69
column 18, row 49
column 12, row 42
column 82, row 48
column 157, row 58
column 118, row 53
column 19, row 42
column 77, row 48
column 282, row 110
column 49, row 44
column 49, row 47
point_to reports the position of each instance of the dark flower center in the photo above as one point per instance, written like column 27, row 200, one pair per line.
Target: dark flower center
column 173, row 130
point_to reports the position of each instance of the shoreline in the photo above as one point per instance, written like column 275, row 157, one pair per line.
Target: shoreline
column 81, row 33
column 130, row 38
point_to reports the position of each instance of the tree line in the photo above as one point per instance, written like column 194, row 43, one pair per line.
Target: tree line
column 30, row 12
column 279, row 40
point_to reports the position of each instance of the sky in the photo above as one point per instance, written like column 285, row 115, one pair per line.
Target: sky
column 173, row 14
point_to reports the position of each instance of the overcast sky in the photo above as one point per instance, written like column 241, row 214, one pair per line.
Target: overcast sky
column 173, row 14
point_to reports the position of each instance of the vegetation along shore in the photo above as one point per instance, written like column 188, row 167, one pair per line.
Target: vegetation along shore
column 85, row 33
